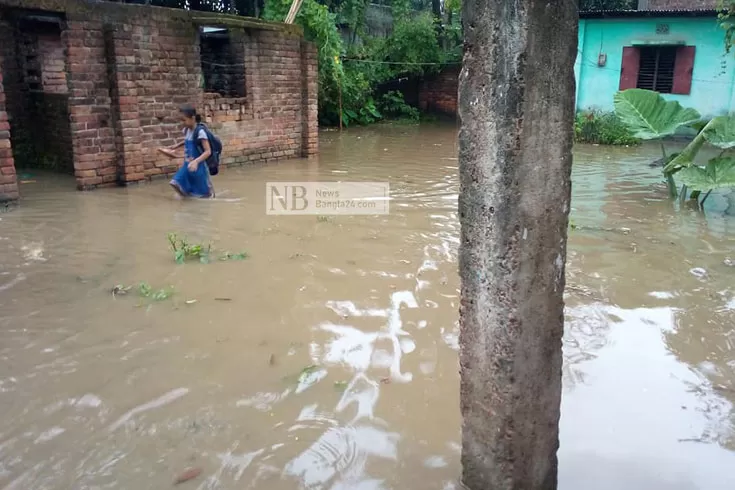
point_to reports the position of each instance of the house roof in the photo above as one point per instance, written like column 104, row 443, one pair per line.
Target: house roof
column 621, row 14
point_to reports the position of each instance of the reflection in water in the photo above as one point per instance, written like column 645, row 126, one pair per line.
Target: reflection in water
column 328, row 359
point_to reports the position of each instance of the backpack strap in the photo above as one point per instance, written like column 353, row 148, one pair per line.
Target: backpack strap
column 201, row 126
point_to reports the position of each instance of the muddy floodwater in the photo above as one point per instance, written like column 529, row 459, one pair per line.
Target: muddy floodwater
column 327, row 359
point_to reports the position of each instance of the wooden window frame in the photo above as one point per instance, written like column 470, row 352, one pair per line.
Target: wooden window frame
column 683, row 68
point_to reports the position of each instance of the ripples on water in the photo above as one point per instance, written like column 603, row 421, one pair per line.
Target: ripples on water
column 333, row 365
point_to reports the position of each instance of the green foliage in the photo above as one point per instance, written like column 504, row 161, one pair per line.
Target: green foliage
column 649, row 116
column 602, row 128
column 720, row 132
column 726, row 19
column 146, row 291
column 586, row 5
column 234, row 256
column 184, row 251
column 392, row 104
column 718, row 173
column 412, row 49
column 366, row 114
column 411, row 46
column 320, row 27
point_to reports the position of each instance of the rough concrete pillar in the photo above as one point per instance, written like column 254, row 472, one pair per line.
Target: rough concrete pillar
column 516, row 106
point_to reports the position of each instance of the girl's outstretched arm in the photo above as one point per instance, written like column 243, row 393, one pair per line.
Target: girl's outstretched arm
column 194, row 164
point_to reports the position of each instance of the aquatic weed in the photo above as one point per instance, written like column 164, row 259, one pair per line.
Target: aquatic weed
column 302, row 375
column 234, row 256
column 183, row 250
column 146, row 291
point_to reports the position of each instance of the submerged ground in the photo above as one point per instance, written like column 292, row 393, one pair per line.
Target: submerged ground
column 327, row 359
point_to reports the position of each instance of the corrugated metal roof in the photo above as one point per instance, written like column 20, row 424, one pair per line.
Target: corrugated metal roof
column 598, row 14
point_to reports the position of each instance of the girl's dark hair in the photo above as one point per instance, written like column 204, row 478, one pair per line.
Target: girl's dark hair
column 190, row 111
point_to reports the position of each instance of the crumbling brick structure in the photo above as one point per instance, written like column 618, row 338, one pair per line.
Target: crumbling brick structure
column 92, row 88
column 438, row 93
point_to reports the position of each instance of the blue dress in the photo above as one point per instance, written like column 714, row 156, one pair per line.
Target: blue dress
column 197, row 183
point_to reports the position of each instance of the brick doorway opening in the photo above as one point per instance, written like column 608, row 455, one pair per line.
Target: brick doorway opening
column 37, row 94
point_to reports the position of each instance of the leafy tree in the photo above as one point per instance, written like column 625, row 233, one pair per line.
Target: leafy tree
column 587, row 5
column 726, row 19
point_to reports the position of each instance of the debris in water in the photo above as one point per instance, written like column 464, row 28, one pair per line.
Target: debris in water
column 698, row 272
column 307, row 371
column 187, row 475
column 120, row 289
column 234, row 256
column 729, row 262
column 384, row 381
column 272, row 360
column 223, row 299
column 190, row 301
column 340, row 385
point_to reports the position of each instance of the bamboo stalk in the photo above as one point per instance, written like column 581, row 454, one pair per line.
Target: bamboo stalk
column 293, row 11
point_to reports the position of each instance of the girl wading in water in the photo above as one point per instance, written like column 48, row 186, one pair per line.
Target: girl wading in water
column 192, row 179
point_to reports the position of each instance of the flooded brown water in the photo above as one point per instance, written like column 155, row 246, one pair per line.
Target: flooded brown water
column 328, row 358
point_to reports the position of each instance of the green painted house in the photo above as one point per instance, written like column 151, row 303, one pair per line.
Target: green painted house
column 679, row 53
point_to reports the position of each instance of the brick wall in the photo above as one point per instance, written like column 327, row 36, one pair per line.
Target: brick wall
column 35, row 70
column 8, row 180
column 52, row 63
column 438, row 93
column 129, row 68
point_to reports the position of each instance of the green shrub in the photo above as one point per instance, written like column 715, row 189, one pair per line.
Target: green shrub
column 602, row 128
column 348, row 77
column 393, row 105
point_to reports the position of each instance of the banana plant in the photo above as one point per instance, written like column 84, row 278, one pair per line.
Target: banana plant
column 651, row 117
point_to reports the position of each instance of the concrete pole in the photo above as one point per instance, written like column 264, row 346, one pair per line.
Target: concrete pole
column 516, row 105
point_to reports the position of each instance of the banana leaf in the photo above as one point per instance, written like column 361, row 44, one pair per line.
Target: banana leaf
column 717, row 174
column 649, row 116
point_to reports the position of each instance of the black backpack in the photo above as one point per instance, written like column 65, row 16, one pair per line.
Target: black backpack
column 216, row 145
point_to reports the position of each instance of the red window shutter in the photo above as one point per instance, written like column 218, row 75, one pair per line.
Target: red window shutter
column 683, row 69
column 629, row 68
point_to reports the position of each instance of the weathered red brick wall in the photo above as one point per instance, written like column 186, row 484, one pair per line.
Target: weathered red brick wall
column 8, row 180
column 438, row 93
column 129, row 68
column 36, row 89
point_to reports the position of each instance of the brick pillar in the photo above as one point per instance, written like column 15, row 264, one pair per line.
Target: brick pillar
column 93, row 139
column 309, row 103
column 8, row 179
column 121, row 66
